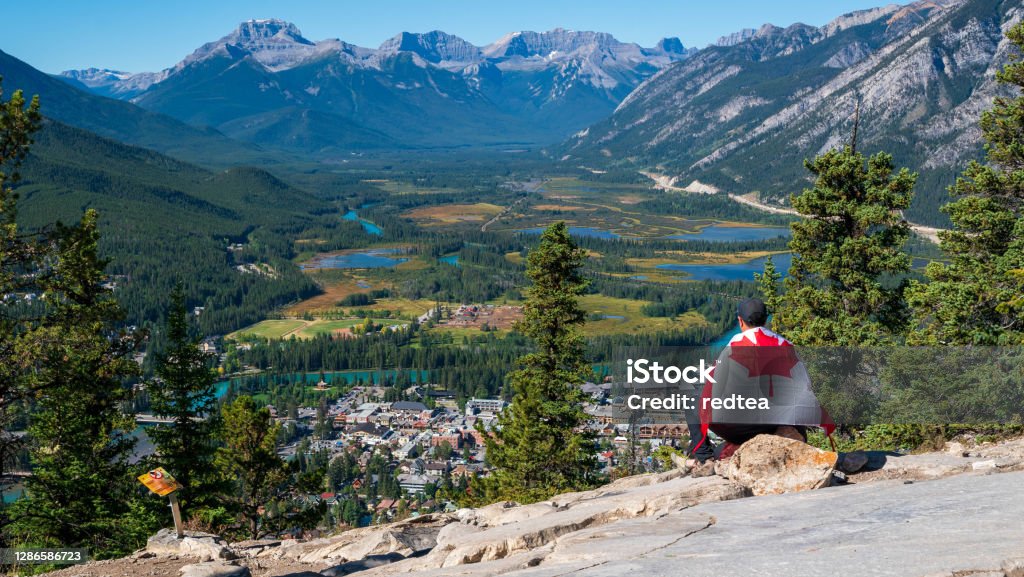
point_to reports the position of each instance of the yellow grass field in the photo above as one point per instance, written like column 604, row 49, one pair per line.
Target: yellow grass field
column 332, row 295
column 453, row 213
column 561, row 207
column 683, row 257
column 625, row 316
column 303, row 329
column 336, row 291
column 270, row 329
column 397, row 187
column 399, row 306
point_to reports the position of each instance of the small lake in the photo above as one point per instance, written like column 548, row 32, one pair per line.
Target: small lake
column 367, row 225
column 725, row 272
column 373, row 258
column 452, row 259
column 579, row 231
column 13, row 492
column 720, row 233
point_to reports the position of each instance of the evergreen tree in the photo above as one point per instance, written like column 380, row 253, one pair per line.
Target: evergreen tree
column 17, row 124
column 324, row 424
column 82, row 491
column 841, row 289
column 975, row 298
column 539, row 447
column 263, row 484
column 768, row 284
column 184, row 391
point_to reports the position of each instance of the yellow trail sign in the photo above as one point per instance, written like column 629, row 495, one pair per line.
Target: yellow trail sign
column 160, row 482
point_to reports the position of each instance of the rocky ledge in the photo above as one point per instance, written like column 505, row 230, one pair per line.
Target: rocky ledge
column 947, row 513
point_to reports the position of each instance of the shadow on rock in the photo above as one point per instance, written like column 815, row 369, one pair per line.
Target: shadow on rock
column 369, row 563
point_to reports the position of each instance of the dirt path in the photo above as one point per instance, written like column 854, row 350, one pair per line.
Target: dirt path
column 507, row 210
column 296, row 330
column 928, row 232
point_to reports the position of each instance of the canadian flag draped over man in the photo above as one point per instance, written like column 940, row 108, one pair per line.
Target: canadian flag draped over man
column 760, row 364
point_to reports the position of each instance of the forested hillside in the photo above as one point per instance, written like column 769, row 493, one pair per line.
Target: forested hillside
column 124, row 121
column 165, row 221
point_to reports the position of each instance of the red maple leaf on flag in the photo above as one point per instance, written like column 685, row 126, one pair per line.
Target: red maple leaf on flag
column 764, row 355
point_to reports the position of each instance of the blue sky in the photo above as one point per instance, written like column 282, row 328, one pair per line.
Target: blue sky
column 143, row 35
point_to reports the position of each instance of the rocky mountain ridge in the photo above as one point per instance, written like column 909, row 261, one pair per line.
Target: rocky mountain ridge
column 742, row 116
column 280, row 45
column 267, row 84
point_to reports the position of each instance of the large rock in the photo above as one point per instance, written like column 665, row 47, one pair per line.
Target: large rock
column 370, row 562
column 1005, row 456
column 768, row 465
column 549, row 521
column 1013, row 567
column 254, row 547
column 404, row 538
column 960, row 525
column 203, row 546
column 215, row 569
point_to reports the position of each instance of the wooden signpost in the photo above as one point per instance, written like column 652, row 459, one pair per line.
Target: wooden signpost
column 162, row 483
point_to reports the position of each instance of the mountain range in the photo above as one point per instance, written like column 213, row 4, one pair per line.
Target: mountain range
column 742, row 115
column 125, row 122
column 738, row 116
column 266, row 84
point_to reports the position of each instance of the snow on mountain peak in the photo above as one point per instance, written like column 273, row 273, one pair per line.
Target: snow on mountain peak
column 276, row 44
column 590, row 58
column 93, row 77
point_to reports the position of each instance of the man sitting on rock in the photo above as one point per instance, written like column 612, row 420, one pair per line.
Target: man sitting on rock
column 757, row 363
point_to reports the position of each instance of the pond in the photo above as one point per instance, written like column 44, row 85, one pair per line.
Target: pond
column 722, row 233
column 578, row 231
column 726, row 272
column 452, row 259
column 372, row 258
column 13, row 492
column 367, row 225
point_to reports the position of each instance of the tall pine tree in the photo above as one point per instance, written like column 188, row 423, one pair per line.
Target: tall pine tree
column 18, row 122
column 840, row 291
column 264, row 489
column 975, row 298
column 184, row 391
column 82, row 490
column 540, row 447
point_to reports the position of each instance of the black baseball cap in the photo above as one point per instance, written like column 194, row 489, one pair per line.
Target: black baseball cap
column 753, row 312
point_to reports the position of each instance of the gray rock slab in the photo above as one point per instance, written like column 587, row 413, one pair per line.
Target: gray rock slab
column 961, row 523
column 214, row 569
column 195, row 544
column 599, row 509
